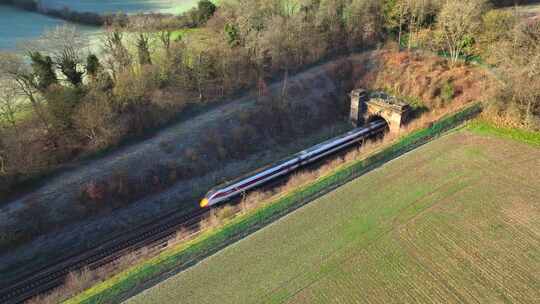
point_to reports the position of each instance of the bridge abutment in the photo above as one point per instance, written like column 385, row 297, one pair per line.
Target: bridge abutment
column 365, row 106
column 359, row 97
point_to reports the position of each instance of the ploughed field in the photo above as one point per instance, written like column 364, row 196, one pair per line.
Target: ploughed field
column 455, row 221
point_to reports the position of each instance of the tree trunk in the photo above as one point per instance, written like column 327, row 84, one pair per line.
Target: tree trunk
column 400, row 27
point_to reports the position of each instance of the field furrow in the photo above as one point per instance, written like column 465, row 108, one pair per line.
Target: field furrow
column 456, row 221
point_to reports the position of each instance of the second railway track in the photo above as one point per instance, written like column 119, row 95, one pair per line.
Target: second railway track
column 155, row 233
column 48, row 278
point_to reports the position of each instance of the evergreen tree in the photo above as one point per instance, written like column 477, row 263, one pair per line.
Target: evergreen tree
column 143, row 50
column 93, row 66
column 205, row 9
column 68, row 63
column 42, row 71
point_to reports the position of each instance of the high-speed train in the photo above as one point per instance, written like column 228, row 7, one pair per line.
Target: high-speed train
column 231, row 189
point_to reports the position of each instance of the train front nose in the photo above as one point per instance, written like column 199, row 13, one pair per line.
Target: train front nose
column 204, row 203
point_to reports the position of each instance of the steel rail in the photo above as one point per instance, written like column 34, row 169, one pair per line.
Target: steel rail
column 50, row 277
column 153, row 234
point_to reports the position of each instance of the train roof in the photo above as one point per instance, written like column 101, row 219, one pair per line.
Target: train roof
column 282, row 161
column 251, row 173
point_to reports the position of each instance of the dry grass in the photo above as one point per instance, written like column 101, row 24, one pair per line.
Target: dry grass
column 74, row 282
column 424, row 76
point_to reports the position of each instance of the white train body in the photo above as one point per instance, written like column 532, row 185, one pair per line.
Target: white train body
column 225, row 192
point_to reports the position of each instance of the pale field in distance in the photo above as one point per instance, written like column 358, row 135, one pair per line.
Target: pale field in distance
column 18, row 25
column 126, row 6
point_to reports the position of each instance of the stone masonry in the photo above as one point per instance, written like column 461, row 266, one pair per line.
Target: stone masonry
column 366, row 106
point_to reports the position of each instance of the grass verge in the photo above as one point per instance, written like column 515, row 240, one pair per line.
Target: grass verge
column 485, row 128
column 444, row 223
column 187, row 254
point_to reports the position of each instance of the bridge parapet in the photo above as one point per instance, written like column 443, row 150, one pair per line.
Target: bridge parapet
column 365, row 106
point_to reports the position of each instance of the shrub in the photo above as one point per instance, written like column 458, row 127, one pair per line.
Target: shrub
column 226, row 212
column 61, row 104
column 94, row 191
column 191, row 154
column 447, row 91
column 166, row 146
column 205, row 10
column 11, row 239
column 210, row 221
column 95, row 121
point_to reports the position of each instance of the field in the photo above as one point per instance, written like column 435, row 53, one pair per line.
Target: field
column 127, row 6
column 455, row 221
column 31, row 25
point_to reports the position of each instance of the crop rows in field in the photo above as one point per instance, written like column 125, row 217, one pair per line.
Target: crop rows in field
column 455, row 221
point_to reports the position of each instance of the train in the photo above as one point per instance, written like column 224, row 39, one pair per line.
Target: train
column 225, row 192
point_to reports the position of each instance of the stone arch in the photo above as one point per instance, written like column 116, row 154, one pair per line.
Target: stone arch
column 364, row 106
column 393, row 119
column 373, row 117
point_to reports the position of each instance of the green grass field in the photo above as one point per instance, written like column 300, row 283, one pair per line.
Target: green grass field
column 455, row 221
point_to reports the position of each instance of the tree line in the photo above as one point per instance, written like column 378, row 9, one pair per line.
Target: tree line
column 59, row 100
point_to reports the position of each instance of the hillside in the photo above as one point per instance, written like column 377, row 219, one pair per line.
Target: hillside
column 171, row 170
column 183, row 158
column 468, row 233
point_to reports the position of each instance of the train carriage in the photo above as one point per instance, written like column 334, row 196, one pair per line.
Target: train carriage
column 241, row 185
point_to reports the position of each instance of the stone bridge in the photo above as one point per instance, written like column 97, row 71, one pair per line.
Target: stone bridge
column 365, row 107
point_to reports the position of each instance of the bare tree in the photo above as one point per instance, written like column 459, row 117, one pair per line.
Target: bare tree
column 8, row 102
column 203, row 71
column 13, row 68
column 93, row 119
column 3, row 160
column 117, row 56
column 457, row 21
column 519, row 59
column 418, row 12
column 363, row 23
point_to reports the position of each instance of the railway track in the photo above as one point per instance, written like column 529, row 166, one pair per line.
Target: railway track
column 151, row 235
column 47, row 278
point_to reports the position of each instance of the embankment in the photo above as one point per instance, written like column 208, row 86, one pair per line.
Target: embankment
column 169, row 172
column 187, row 254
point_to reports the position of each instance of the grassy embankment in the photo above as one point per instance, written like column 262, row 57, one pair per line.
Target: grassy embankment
column 187, row 254
column 455, row 221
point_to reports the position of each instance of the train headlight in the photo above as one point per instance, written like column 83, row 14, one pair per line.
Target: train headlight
column 204, row 202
